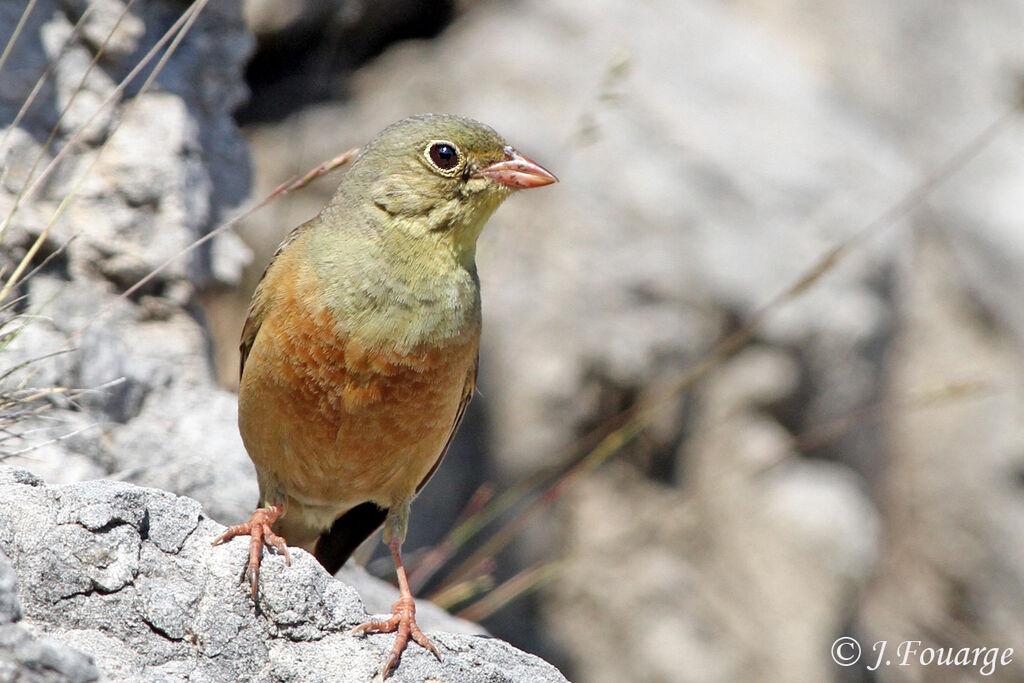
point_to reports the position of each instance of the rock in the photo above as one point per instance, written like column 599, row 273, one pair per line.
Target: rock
column 127, row 576
column 153, row 172
column 761, row 548
column 308, row 48
column 24, row 656
column 952, row 492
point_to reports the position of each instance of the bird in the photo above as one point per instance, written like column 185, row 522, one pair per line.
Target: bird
column 360, row 350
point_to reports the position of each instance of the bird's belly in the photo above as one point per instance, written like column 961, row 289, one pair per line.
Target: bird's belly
column 333, row 424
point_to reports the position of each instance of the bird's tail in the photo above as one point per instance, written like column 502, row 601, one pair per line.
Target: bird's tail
column 338, row 543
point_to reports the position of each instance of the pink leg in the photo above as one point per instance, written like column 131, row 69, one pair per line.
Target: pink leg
column 403, row 617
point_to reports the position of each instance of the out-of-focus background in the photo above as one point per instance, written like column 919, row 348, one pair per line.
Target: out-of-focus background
column 778, row 290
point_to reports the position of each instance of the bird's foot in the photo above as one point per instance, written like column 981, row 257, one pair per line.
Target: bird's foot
column 260, row 533
column 403, row 620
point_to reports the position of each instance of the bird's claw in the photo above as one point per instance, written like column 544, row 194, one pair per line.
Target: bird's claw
column 260, row 532
column 402, row 621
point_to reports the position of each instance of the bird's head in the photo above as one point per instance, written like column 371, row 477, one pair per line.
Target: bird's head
column 440, row 175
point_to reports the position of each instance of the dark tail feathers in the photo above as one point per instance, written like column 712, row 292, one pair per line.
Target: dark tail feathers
column 338, row 543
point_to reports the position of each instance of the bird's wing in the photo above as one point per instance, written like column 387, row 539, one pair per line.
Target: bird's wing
column 467, row 395
column 337, row 544
column 258, row 307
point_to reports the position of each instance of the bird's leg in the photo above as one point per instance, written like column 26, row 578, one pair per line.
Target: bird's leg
column 260, row 532
column 403, row 612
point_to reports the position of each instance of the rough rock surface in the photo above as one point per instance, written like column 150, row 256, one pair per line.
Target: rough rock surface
column 127, row 576
column 155, row 171
column 25, row 657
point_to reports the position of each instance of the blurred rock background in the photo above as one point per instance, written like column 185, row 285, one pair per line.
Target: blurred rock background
column 856, row 468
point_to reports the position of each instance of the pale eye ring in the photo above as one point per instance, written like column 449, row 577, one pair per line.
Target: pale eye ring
column 443, row 155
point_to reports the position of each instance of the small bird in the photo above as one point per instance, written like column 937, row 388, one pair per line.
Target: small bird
column 360, row 351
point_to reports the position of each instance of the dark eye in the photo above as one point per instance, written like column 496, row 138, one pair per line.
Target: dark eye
column 444, row 155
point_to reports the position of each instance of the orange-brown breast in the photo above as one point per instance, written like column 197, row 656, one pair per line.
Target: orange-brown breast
column 333, row 422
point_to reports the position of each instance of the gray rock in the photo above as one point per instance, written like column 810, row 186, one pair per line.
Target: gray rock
column 24, row 657
column 127, row 576
column 321, row 41
column 41, row 660
column 759, row 532
column 172, row 165
column 10, row 608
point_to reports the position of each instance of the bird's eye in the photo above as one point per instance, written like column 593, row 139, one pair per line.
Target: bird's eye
column 444, row 155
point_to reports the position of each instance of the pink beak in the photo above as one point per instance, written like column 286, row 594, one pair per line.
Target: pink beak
column 518, row 172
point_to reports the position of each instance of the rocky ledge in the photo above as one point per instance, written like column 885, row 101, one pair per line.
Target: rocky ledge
column 106, row 580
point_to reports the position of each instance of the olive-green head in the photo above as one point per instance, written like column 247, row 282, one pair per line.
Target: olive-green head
column 438, row 175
